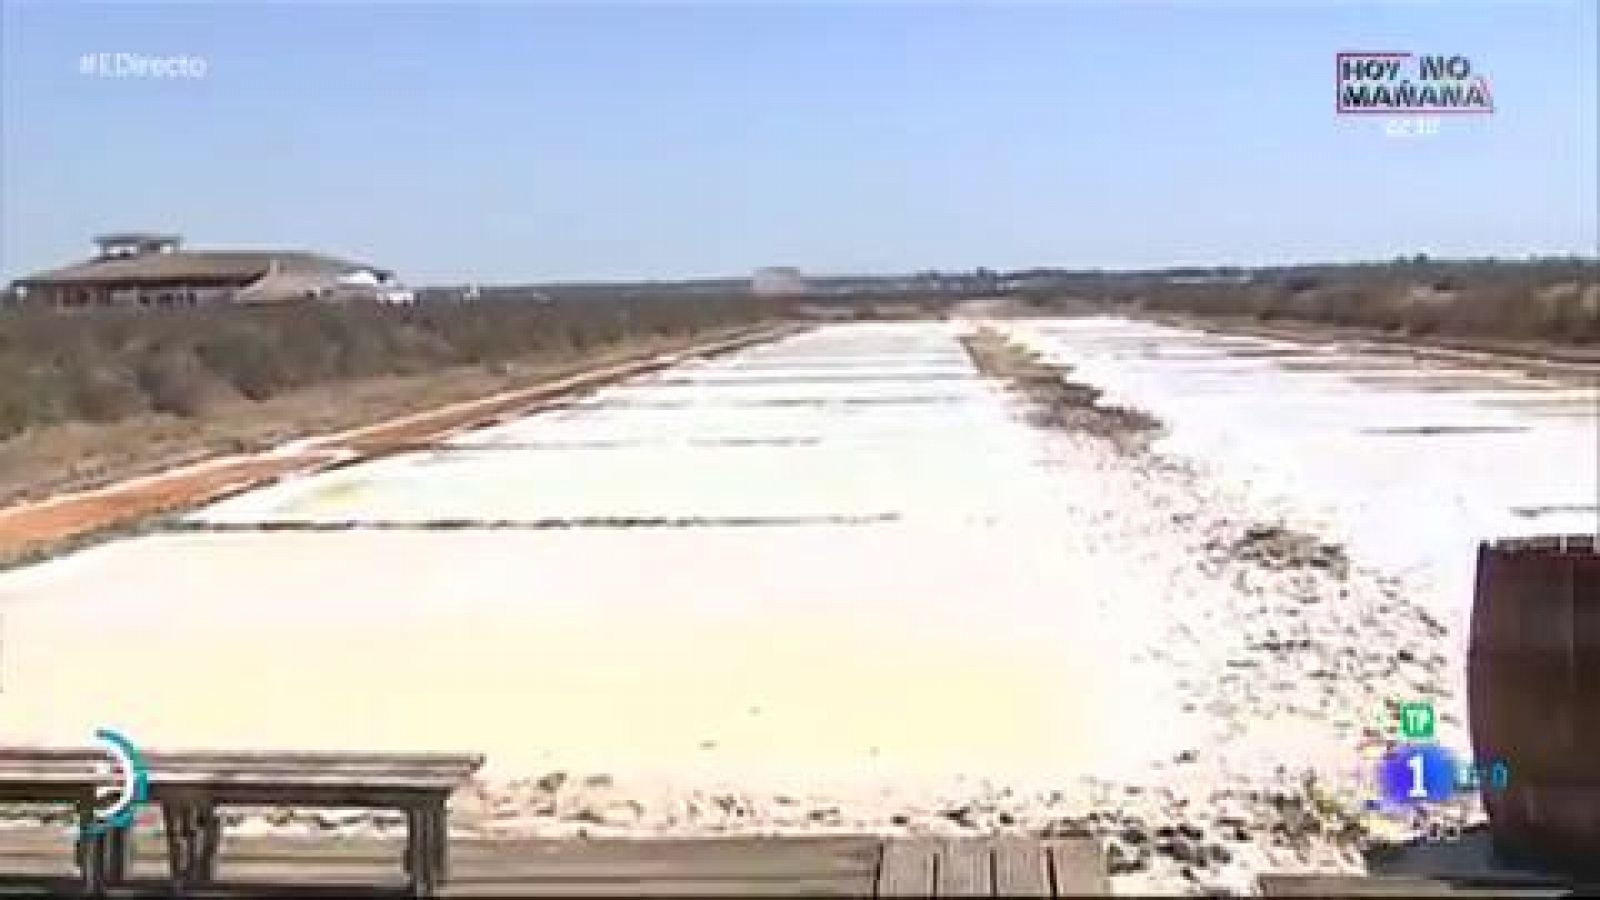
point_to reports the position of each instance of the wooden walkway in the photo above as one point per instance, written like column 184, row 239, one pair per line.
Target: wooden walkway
column 32, row 862
column 38, row 863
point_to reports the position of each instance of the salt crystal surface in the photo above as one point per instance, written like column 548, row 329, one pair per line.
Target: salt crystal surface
column 1006, row 623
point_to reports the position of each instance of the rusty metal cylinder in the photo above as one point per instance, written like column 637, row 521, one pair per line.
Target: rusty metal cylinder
column 1533, row 675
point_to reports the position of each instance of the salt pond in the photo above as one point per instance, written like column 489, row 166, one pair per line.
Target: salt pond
column 1410, row 461
column 842, row 565
column 934, row 641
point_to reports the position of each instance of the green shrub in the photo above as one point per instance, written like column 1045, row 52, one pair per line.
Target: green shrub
column 177, row 382
column 105, row 365
column 1541, row 299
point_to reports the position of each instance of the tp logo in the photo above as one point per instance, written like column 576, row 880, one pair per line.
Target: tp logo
column 132, row 791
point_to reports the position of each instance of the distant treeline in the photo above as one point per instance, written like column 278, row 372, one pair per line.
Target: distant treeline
column 103, row 366
column 1554, row 299
column 1551, row 266
column 987, row 280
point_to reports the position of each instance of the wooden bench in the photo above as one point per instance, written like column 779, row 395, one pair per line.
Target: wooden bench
column 55, row 778
column 191, row 787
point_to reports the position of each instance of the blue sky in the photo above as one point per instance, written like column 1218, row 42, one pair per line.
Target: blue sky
column 530, row 141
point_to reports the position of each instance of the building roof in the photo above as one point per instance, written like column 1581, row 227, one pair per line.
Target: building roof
column 128, row 237
column 204, row 265
column 281, row 286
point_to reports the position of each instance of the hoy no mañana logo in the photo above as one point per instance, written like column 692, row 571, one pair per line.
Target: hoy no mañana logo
column 1409, row 84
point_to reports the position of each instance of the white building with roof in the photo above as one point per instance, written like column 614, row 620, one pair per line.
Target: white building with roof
column 777, row 281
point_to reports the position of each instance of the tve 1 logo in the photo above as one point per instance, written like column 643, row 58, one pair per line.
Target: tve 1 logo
column 130, row 790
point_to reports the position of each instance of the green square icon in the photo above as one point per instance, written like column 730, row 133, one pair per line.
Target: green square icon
column 1416, row 721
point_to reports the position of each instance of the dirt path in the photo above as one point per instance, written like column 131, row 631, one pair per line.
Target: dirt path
column 34, row 530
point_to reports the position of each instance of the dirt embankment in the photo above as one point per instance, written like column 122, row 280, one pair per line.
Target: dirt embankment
column 1054, row 400
column 1543, row 312
column 35, row 530
column 97, row 396
column 1284, row 652
column 1571, row 362
column 49, row 460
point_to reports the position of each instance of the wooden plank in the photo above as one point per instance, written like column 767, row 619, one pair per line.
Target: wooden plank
column 685, row 866
column 276, row 757
column 48, row 752
column 268, row 793
column 293, row 884
column 753, row 855
column 680, row 867
column 54, row 779
column 60, row 785
column 326, row 771
column 90, row 851
column 964, row 869
column 423, row 852
column 556, row 858
column 689, row 887
column 12, row 755
column 756, row 859
column 348, row 769
column 1021, row 868
column 387, row 873
column 329, row 770
column 730, row 857
column 36, row 842
column 1077, row 868
column 17, row 764
column 906, row 868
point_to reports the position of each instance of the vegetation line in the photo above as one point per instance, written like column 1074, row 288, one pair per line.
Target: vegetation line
column 92, row 398
column 541, row 524
column 1053, row 400
column 33, row 533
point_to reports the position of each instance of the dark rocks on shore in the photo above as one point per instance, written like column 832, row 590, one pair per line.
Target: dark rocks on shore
column 1277, row 547
column 1181, row 850
column 965, row 816
column 1070, row 827
column 1122, row 860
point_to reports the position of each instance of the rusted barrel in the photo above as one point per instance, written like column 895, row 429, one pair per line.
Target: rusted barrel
column 1533, row 676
